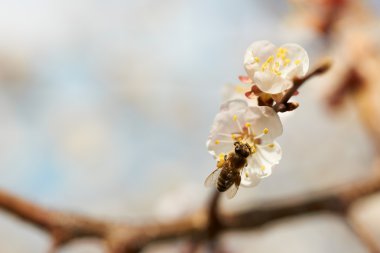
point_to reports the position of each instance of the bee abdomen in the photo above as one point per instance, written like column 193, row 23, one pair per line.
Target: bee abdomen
column 222, row 187
column 224, row 181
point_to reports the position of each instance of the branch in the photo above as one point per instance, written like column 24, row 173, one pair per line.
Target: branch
column 338, row 201
column 65, row 227
column 362, row 233
column 62, row 226
column 283, row 105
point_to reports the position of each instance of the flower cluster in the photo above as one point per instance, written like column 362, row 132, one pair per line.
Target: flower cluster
column 273, row 69
column 251, row 119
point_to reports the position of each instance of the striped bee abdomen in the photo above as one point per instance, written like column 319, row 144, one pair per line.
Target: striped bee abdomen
column 225, row 180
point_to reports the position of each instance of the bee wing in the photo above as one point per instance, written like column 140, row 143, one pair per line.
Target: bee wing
column 231, row 192
column 212, row 179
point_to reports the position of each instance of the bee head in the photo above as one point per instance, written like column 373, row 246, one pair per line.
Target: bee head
column 242, row 149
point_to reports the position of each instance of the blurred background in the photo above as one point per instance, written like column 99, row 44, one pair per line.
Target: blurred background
column 105, row 108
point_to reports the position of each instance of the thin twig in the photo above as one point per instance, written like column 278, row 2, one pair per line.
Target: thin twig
column 297, row 82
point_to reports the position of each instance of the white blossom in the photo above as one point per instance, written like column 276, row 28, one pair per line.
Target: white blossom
column 273, row 68
column 256, row 125
column 237, row 92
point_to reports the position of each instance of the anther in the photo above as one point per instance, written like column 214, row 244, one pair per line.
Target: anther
column 281, row 53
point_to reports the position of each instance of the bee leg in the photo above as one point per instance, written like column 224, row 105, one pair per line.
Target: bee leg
column 225, row 157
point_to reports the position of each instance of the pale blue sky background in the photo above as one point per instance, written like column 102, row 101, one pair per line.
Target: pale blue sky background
column 106, row 106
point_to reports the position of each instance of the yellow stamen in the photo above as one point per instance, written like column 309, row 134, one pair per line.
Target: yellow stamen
column 297, row 62
column 271, row 145
column 248, row 124
column 262, row 167
column 265, row 131
column 276, row 72
column 217, row 142
column 264, row 66
column 267, row 62
column 221, row 160
column 276, row 68
column 240, row 89
column 286, row 62
column 281, row 53
column 257, row 59
column 246, row 174
column 234, row 118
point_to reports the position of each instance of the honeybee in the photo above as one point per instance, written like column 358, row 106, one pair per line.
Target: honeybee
column 227, row 175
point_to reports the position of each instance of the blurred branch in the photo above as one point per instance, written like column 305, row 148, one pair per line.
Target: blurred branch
column 362, row 233
column 214, row 222
column 63, row 227
column 204, row 224
column 351, row 82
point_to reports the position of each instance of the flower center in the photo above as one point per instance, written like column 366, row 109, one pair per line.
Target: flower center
column 247, row 135
column 275, row 63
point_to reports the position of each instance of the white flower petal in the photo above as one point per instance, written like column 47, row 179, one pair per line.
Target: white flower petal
column 237, row 92
column 235, row 104
column 265, row 158
column 228, row 121
column 271, row 83
column 299, row 61
column 264, row 119
column 273, row 69
column 220, row 148
column 272, row 153
column 249, row 178
column 260, row 49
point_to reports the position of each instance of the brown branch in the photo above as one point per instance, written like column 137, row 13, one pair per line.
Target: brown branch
column 362, row 233
column 62, row 226
column 214, row 222
column 283, row 105
column 351, row 83
column 65, row 227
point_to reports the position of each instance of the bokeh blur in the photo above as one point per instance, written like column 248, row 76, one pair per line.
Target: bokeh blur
column 105, row 107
